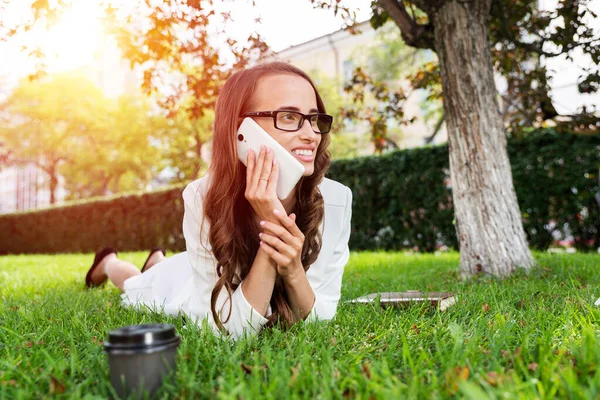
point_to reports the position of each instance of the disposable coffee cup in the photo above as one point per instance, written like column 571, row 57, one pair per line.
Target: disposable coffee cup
column 140, row 357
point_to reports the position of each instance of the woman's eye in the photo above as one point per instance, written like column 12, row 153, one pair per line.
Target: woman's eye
column 289, row 116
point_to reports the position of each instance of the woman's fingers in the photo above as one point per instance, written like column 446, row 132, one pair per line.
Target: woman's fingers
column 279, row 241
column 258, row 174
column 259, row 167
column 279, row 231
column 277, row 250
column 265, row 173
column 275, row 256
column 250, row 165
column 272, row 186
column 272, row 241
column 289, row 224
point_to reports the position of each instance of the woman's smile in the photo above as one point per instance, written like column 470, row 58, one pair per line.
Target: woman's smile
column 305, row 153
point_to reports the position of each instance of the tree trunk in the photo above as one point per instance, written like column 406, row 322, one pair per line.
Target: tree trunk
column 488, row 220
column 105, row 181
column 115, row 183
column 53, row 183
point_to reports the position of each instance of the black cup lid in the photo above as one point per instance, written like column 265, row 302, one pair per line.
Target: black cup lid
column 148, row 335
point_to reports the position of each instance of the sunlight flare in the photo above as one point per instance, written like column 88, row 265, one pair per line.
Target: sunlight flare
column 76, row 40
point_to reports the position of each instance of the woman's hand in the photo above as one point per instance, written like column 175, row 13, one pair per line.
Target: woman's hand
column 261, row 184
column 283, row 242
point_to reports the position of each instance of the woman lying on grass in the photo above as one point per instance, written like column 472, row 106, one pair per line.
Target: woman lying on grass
column 251, row 259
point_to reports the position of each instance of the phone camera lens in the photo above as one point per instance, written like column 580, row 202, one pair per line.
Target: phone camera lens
column 240, row 137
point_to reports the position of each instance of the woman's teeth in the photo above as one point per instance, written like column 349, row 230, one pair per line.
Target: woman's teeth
column 303, row 152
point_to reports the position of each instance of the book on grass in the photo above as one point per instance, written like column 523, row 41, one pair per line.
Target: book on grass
column 441, row 300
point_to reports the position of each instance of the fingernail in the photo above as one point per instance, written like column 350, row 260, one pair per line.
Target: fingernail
column 260, row 234
column 276, row 211
column 261, row 242
column 268, row 150
column 274, row 161
column 262, row 222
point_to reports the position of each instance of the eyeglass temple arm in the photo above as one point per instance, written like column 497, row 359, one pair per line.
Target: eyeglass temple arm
column 259, row 114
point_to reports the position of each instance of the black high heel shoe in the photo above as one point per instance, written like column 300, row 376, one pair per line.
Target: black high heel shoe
column 99, row 257
column 154, row 250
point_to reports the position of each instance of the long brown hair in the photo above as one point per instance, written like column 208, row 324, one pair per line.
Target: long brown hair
column 233, row 233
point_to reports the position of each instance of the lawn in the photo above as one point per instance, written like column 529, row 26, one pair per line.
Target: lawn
column 533, row 335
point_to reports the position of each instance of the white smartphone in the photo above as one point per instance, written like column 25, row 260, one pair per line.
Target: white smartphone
column 251, row 135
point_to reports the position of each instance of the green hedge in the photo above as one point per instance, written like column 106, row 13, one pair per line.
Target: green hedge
column 401, row 200
column 557, row 182
column 131, row 222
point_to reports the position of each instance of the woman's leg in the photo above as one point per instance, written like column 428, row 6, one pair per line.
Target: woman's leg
column 154, row 259
column 117, row 271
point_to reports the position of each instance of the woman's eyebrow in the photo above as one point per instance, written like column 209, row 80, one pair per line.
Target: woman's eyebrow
column 292, row 108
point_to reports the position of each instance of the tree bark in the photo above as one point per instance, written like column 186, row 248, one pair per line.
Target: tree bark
column 105, row 182
column 413, row 34
column 488, row 220
column 115, row 183
column 53, row 183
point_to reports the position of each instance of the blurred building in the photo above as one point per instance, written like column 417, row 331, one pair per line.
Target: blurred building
column 18, row 189
column 23, row 188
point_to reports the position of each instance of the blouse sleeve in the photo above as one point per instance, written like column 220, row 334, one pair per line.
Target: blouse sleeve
column 328, row 294
column 243, row 318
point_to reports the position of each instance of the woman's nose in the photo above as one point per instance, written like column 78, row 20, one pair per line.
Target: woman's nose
column 306, row 131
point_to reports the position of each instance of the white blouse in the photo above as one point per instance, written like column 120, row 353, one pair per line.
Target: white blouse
column 324, row 276
column 176, row 287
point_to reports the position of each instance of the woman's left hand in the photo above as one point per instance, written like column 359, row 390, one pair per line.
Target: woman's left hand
column 283, row 243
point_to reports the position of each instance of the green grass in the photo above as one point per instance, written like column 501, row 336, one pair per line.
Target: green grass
column 530, row 336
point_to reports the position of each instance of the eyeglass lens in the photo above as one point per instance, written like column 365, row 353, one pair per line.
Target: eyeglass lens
column 291, row 121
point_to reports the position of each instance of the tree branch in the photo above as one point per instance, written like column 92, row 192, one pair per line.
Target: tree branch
column 437, row 128
column 413, row 34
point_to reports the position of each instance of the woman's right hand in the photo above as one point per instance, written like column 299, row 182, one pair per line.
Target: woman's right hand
column 261, row 184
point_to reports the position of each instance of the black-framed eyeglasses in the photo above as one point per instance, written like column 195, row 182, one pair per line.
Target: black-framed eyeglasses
column 292, row 121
